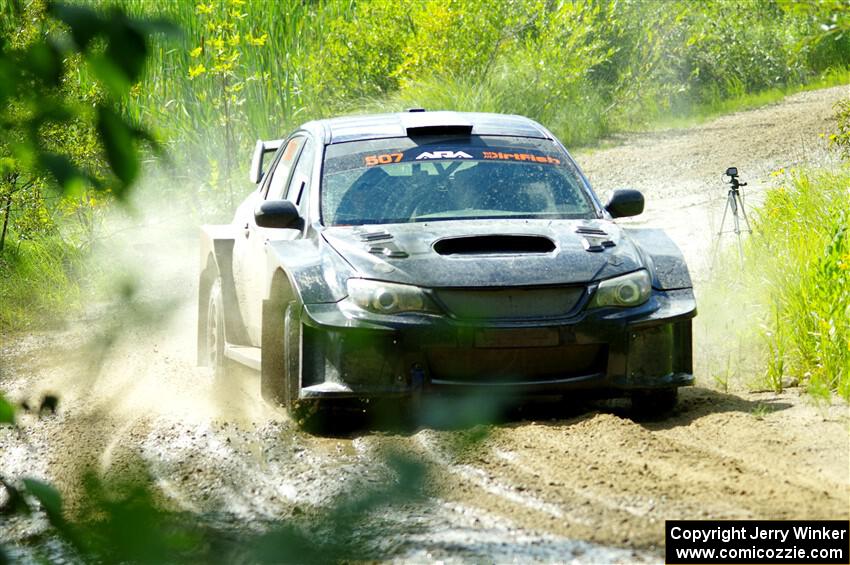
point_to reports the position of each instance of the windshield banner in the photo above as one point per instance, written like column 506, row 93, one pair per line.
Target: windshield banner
column 426, row 154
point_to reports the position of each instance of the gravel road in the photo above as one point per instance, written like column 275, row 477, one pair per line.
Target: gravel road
column 548, row 483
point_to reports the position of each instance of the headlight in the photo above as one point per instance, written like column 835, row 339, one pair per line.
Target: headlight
column 628, row 290
column 388, row 298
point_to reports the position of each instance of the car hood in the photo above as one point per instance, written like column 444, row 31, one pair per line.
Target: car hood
column 487, row 253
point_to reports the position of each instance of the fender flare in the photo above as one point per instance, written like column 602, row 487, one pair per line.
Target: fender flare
column 216, row 260
column 664, row 258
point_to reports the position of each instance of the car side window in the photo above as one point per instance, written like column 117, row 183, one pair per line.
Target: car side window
column 296, row 193
column 281, row 172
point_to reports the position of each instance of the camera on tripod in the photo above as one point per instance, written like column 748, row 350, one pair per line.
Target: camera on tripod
column 735, row 205
column 732, row 173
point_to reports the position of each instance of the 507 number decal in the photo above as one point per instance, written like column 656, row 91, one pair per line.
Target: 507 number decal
column 383, row 159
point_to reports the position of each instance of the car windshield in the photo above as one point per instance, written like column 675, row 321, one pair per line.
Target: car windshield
column 404, row 180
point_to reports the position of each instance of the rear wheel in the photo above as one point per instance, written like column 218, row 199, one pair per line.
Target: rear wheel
column 215, row 331
column 654, row 402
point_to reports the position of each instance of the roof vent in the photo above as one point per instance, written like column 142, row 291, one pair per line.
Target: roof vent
column 435, row 123
column 415, row 110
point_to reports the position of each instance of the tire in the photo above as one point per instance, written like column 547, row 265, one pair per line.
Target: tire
column 215, row 331
column 654, row 402
column 315, row 417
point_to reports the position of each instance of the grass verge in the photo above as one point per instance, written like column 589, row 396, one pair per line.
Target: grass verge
column 790, row 304
column 37, row 283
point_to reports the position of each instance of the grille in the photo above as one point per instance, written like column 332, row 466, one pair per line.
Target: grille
column 513, row 304
column 507, row 366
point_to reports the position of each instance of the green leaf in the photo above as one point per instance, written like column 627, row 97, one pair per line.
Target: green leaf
column 7, row 411
column 153, row 26
column 44, row 61
column 85, row 23
column 8, row 78
column 119, row 143
column 111, row 77
column 48, row 496
column 63, row 170
column 127, row 48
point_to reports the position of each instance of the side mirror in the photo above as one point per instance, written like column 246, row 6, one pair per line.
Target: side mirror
column 624, row 203
column 278, row 214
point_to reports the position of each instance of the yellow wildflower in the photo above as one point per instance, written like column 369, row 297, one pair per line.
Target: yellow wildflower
column 256, row 41
column 223, row 67
column 234, row 40
column 197, row 70
column 202, row 8
column 196, row 52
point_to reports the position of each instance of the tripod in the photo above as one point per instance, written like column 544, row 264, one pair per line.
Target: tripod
column 733, row 202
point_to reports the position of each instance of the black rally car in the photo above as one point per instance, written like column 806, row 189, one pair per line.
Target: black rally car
column 421, row 252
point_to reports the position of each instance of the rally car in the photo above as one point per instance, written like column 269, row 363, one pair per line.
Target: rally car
column 427, row 253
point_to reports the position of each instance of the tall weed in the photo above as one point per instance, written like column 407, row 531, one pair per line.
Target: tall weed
column 796, row 279
column 37, row 282
column 582, row 68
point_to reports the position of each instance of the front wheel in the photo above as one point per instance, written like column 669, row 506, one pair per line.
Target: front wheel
column 215, row 331
column 312, row 416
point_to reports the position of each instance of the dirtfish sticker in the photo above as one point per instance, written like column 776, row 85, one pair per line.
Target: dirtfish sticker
column 444, row 155
column 521, row 157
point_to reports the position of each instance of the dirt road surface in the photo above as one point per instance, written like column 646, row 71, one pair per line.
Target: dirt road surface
column 555, row 482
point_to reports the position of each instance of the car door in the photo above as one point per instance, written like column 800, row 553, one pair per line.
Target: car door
column 249, row 257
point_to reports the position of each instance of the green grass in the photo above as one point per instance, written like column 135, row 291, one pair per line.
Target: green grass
column 37, row 283
column 790, row 304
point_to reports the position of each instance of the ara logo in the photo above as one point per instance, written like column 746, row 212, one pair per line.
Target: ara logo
column 444, row 155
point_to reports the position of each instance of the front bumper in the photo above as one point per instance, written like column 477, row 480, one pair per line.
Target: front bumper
column 607, row 350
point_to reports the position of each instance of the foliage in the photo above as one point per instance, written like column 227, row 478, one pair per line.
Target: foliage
column 541, row 64
column 803, row 234
column 35, row 107
column 54, row 137
column 263, row 55
column 7, row 411
column 62, row 69
column 37, row 278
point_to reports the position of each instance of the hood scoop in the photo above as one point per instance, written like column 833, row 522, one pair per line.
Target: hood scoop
column 494, row 245
column 594, row 239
